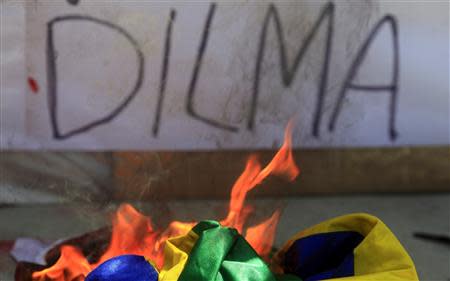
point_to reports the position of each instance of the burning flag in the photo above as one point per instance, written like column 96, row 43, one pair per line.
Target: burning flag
column 135, row 234
column 356, row 247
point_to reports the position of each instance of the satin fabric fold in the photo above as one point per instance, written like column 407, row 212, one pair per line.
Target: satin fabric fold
column 355, row 247
column 211, row 252
column 378, row 256
column 222, row 254
column 124, row 268
column 176, row 253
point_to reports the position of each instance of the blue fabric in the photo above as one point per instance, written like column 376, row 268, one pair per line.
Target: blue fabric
column 124, row 268
column 323, row 256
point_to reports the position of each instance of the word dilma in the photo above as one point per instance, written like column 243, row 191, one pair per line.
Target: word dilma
column 288, row 70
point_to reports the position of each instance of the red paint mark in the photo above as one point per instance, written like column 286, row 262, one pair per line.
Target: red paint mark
column 34, row 87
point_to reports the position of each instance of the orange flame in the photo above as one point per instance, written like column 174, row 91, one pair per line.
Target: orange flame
column 133, row 233
column 72, row 265
column 282, row 164
column 263, row 243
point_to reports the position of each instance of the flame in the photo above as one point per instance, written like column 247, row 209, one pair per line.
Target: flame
column 282, row 164
column 72, row 265
column 263, row 243
column 134, row 233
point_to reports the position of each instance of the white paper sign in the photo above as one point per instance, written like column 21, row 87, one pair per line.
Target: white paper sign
column 229, row 74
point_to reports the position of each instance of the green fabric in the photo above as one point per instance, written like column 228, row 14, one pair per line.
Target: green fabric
column 222, row 254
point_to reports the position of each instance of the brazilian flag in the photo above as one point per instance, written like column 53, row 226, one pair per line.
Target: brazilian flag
column 356, row 247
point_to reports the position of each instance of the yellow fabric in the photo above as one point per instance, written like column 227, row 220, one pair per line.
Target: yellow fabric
column 176, row 253
column 380, row 256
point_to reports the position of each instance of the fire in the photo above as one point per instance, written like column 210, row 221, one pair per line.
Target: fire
column 282, row 164
column 72, row 265
column 263, row 243
column 134, row 233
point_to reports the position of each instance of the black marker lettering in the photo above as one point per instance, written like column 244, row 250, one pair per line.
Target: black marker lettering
column 197, row 66
column 52, row 76
column 164, row 72
column 359, row 59
column 288, row 73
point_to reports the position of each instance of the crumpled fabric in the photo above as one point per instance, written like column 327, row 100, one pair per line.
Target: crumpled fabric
column 356, row 247
column 219, row 254
column 176, row 253
column 124, row 268
column 377, row 256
